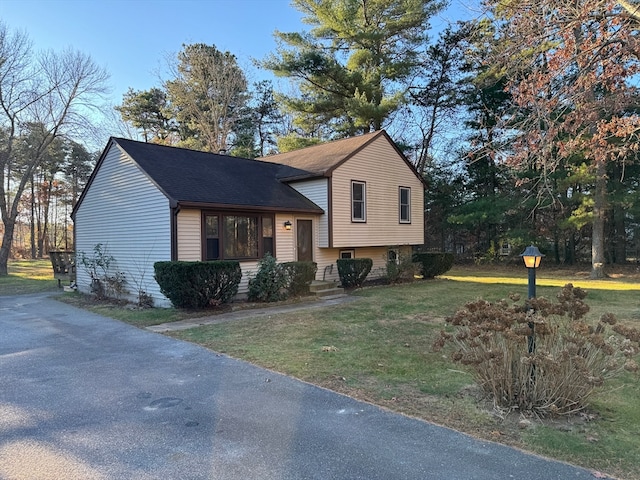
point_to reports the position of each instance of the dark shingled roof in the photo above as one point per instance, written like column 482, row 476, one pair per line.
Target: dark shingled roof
column 189, row 176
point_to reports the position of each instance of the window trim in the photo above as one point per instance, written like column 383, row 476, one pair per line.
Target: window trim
column 350, row 252
column 222, row 214
column 362, row 219
column 400, row 205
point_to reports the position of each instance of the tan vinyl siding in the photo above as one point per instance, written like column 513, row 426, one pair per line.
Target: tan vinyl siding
column 327, row 268
column 383, row 171
column 285, row 239
column 189, row 235
column 125, row 212
column 318, row 192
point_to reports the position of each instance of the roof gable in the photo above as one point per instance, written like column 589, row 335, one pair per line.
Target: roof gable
column 323, row 159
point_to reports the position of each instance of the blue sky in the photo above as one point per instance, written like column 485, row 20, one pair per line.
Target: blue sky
column 132, row 38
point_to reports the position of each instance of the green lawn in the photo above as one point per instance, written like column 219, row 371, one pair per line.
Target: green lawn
column 378, row 349
column 28, row 276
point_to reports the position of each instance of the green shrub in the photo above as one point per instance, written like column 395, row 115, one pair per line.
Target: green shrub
column 353, row 271
column 198, row 284
column 433, row 264
column 270, row 283
column 541, row 357
column 299, row 276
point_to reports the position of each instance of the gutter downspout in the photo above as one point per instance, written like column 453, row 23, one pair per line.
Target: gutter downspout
column 174, row 231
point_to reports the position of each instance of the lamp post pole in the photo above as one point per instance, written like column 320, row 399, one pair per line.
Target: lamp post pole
column 531, row 257
column 532, row 282
column 531, row 339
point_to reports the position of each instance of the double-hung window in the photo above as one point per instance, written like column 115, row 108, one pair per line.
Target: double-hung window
column 358, row 201
column 237, row 236
column 404, row 202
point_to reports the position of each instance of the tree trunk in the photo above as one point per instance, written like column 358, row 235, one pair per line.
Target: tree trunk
column 5, row 249
column 33, row 218
column 620, row 235
column 599, row 211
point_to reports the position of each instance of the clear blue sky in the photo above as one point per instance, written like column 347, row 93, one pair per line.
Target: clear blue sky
column 132, row 38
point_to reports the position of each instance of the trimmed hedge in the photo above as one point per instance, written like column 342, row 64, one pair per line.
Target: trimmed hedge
column 300, row 275
column 433, row 264
column 198, row 284
column 353, row 271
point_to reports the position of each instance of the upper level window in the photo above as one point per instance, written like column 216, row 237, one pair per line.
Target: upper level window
column 358, row 202
column 404, row 201
column 237, row 236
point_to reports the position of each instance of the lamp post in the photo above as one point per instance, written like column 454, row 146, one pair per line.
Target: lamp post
column 532, row 257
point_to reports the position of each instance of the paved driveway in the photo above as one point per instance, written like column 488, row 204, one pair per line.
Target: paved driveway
column 86, row 397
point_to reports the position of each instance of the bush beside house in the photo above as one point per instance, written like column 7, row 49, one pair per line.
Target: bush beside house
column 198, row 284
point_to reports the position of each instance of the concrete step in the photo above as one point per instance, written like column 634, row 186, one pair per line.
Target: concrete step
column 325, row 289
column 330, row 292
column 318, row 285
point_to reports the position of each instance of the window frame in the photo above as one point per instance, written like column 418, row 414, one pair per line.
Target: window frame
column 347, row 254
column 223, row 233
column 407, row 205
column 363, row 202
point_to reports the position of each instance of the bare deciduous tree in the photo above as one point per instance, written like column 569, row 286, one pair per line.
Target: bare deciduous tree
column 48, row 95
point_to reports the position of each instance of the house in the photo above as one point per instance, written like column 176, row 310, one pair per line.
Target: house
column 356, row 197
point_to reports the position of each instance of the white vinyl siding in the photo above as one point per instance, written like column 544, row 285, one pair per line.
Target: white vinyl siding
column 189, row 235
column 384, row 171
column 318, row 192
column 125, row 212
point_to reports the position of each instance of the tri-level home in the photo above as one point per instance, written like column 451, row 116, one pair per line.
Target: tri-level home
column 356, row 197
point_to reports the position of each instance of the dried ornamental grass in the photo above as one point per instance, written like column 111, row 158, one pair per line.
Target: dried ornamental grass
column 541, row 356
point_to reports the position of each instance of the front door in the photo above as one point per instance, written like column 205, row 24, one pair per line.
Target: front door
column 305, row 240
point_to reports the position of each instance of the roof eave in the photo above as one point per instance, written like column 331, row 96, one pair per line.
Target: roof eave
column 244, row 208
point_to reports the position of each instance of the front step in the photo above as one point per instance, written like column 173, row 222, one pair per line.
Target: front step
column 323, row 289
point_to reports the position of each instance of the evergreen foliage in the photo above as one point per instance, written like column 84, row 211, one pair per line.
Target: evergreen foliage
column 352, row 63
column 270, row 282
column 433, row 264
column 198, row 284
column 353, row 271
column 299, row 276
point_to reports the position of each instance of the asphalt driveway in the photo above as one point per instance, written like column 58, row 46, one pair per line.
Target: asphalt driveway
column 86, row 397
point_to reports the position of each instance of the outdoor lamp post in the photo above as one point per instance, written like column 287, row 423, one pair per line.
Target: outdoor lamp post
column 532, row 257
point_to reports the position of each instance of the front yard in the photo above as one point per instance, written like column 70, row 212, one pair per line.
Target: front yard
column 379, row 349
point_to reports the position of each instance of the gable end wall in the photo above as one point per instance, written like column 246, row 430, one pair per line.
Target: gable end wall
column 383, row 171
column 318, row 192
column 126, row 213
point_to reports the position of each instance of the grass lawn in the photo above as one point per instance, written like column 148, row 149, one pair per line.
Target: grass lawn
column 378, row 349
column 28, row 276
